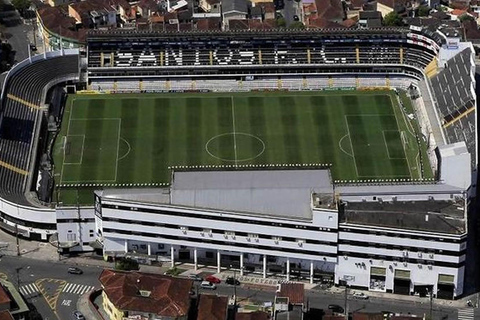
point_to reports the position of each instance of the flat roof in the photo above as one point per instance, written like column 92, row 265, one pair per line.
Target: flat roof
column 444, row 216
column 280, row 193
column 285, row 193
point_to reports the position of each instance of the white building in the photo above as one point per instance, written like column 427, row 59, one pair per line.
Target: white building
column 404, row 239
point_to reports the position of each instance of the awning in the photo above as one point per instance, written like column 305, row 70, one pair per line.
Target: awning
column 378, row 271
column 402, row 274
column 446, row 279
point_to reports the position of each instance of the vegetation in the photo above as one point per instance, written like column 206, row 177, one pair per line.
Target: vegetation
column 423, row 11
column 22, row 5
column 126, row 264
column 466, row 17
column 173, row 271
column 392, row 19
column 297, row 25
column 281, row 22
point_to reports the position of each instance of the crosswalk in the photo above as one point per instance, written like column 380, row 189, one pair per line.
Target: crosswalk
column 466, row 314
column 74, row 288
column 29, row 289
column 77, row 288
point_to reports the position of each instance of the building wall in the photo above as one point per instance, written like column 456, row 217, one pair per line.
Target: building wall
column 110, row 309
column 75, row 225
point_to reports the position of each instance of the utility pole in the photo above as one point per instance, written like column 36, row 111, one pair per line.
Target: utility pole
column 18, row 240
column 431, row 304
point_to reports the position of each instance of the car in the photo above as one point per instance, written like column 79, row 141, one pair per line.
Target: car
column 336, row 308
column 360, row 295
column 232, row 281
column 75, row 270
column 33, row 47
column 212, row 279
column 77, row 315
column 208, row 285
column 195, row 277
column 296, row 18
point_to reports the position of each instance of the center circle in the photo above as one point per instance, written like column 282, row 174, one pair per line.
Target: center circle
column 235, row 146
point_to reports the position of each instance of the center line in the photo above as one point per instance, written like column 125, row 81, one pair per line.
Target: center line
column 234, row 132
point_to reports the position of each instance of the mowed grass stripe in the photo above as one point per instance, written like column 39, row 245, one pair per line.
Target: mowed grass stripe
column 254, row 123
column 161, row 139
column 128, row 166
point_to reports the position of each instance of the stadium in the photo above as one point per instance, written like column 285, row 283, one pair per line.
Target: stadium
column 382, row 113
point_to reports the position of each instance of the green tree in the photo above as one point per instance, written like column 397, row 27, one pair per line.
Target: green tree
column 297, row 25
column 21, row 5
column 466, row 17
column 126, row 264
column 423, row 11
column 173, row 271
column 392, row 19
column 281, row 22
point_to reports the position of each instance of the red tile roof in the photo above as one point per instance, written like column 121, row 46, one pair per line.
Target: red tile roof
column 294, row 291
column 333, row 317
column 257, row 315
column 458, row 12
column 330, row 9
column 4, row 298
column 405, row 318
column 6, row 315
column 169, row 297
column 367, row 316
column 212, row 307
column 56, row 20
column 209, row 24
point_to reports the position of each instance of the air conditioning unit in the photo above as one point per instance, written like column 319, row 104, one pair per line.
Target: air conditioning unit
column 184, row 229
column 202, row 233
column 210, row 233
column 405, row 264
column 256, row 239
column 276, row 239
column 419, row 266
column 405, row 253
column 225, row 236
column 300, row 243
column 431, row 255
column 430, row 267
column 419, row 254
column 248, row 239
column 233, row 237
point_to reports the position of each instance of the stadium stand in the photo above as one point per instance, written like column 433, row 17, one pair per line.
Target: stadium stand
column 454, row 90
column 22, row 107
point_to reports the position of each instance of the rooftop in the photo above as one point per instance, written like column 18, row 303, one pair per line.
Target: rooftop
column 4, row 298
column 150, row 293
column 295, row 292
column 212, row 307
column 431, row 215
column 256, row 315
column 5, row 315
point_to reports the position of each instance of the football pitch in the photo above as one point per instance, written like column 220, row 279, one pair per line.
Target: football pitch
column 133, row 139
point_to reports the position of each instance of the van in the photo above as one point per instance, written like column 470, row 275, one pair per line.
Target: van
column 208, row 285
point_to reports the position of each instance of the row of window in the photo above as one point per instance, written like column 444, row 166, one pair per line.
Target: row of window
column 400, row 260
column 29, row 224
column 229, row 235
column 414, row 250
column 219, row 218
column 395, row 234
column 221, row 243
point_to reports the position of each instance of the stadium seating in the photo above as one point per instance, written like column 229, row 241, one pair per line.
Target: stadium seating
column 455, row 99
column 22, row 99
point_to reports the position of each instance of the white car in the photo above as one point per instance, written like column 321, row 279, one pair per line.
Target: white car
column 208, row 285
column 360, row 295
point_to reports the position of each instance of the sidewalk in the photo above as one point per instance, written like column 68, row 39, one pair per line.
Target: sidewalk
column 45, row 251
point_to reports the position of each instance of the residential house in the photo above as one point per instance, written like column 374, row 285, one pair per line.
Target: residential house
column 256, row 315
column 12, row 304
column 367, row 316
column 325, row 14
column 210, row 5
column 290, row 301
column 147, row 8
column 370, row 19
column 234, row 9
column 212, row 307
column 5, row 301
column 6, row 315
column 144, row 295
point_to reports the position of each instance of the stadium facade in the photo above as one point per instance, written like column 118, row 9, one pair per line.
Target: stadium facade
column 396, row 236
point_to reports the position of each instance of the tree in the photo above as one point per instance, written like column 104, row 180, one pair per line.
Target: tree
column 126, row 264
column 423, row 11
column 173, row 271
column 281, row 22
column 297, row 25
column 466, row 17
column 392, row 19
column 21, row 5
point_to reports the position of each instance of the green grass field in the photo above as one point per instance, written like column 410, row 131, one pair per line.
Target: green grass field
column 133, row 139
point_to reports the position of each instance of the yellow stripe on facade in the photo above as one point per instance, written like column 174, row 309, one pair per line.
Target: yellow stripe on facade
column 13, row 168
column 28, row 104
column 466, row 113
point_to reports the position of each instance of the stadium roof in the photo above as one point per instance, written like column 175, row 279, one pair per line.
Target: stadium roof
column 275, row 192
column 280, row 193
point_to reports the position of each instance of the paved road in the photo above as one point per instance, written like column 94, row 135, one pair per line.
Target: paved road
column 291, row 9
column 39, row 278
column 48, row 286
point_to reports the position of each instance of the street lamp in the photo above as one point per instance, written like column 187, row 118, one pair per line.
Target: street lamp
column 234, row 287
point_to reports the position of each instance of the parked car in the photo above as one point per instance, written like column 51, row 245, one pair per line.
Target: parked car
column 77, row 315
column 360, row 295
column 336, row 308
column 212, row 279
column 232, row 281
column 208, row 285
column 195, row 277
column 75, row 270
